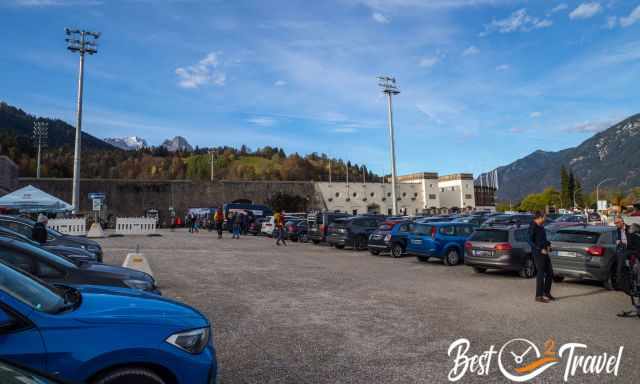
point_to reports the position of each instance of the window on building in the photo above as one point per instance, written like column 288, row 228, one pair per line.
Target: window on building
column 467, row 196
column 441, row 189
column 355, row 212
column 432, row 197
column 389, row 212
column 453, row 188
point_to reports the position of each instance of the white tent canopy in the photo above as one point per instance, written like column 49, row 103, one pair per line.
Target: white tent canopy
column 31, row 199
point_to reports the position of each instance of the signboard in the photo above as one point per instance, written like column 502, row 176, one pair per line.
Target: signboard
column 97, row 204
column 602, row 205
column 97, row 196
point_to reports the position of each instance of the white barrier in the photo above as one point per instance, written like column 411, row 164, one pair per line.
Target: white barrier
column 76, row 227
column 135, row 226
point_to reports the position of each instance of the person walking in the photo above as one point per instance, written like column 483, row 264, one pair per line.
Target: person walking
column 279, row 222
column 219, row 220
column 39, row 231
column 540, row 248
column 237, row 222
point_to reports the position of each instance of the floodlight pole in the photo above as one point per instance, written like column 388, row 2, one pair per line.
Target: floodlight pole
column 79, row 41
column 211, row 153
column 40, row 132
column 388, row 85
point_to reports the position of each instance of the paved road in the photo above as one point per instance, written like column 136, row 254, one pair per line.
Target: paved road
column 313, row 314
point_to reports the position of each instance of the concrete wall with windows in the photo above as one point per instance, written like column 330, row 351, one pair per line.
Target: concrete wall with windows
column 457, row 191
column 370, row 197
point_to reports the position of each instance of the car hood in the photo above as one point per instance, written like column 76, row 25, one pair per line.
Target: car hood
column 80, row 240
column 126, row 273
column 103, row 305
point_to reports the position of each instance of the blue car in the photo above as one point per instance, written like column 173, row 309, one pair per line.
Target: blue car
column 99, row 335
column 443, row 240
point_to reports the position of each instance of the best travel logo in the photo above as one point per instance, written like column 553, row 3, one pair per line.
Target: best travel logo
column 520, row 360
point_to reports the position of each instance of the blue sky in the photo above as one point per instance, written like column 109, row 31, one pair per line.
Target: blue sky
column 483, row 82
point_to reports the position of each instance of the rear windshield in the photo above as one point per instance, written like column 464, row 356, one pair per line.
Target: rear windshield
column 490, row 236
column 578, row 237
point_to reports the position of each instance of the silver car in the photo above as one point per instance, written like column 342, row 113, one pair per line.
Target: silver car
column 585, row 252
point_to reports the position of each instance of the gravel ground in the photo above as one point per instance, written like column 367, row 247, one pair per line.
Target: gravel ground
column 314, row 314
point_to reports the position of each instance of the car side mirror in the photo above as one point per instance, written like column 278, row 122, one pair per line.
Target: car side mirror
column 6, row 320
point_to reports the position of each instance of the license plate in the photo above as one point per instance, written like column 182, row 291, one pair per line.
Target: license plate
column 482, row 253
column 566, row 254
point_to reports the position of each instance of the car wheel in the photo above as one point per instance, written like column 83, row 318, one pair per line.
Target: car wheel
column 339, row 246
column 479, row 270
column 130, row 375
column 397, row 250
column 558, row 279
column 452, row 258
column 374, row 252
column 316, row 242
column 528, row 269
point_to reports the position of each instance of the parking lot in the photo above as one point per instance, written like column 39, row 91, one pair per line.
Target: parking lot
column 314, row 314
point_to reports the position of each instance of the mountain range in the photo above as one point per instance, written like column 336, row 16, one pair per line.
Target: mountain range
column 610, row 155
column 130, row 143
column 178, row 143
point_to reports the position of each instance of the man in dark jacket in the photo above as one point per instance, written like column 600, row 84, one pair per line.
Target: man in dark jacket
column 39, row 231
column 622, row 246
column 540, row 249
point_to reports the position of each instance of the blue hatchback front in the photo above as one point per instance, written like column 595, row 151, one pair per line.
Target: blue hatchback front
column 98, row 334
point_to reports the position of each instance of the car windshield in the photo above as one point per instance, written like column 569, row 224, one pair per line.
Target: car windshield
column 34, row 293
column 490, row 236
column 577, row 237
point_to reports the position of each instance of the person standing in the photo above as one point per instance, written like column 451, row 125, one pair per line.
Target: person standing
column 219, row 220
column 237, row 222
column 622, row 245
column 540, row 248
column 279, row 221
column 39, row 231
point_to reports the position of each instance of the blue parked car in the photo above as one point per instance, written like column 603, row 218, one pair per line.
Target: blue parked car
column 392, row 237
column 99, row 335
column 444, row 240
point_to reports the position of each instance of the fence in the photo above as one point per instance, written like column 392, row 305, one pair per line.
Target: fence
column 135, row 225
column 76, row 227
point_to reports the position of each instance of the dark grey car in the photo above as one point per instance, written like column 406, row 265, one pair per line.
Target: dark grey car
column 25, row 226
column 59, row 269
column 585, row 252
column 75, row 253
column 500, row 247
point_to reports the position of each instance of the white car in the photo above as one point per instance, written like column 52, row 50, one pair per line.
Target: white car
column 267, row 226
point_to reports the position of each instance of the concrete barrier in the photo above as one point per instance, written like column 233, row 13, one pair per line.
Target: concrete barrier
column 135, row 226
column 138, row 262
column 95, row 231
column 76, row 227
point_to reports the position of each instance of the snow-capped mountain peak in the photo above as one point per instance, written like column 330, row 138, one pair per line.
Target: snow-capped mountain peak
column 130, row 143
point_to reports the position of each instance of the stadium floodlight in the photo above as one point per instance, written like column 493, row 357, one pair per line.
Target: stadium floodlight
column 388, row 85
column 83, row 42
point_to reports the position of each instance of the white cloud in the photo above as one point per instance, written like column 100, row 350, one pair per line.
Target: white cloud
column 535, row 115
column 280, row 83
column 559, row 7
column 380, row 18
column 263, row 121
column 391, row 4
column 203, row 73
column 428, row 62
column 345, row 130
column 633, row 17
column 503, row 67
column 612, row 21
column 589, row 126
column 585, row 11
column 472, row 50
column 518, row 21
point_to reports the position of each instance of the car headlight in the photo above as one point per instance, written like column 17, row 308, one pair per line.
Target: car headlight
column 139, row 284
column 193, row 341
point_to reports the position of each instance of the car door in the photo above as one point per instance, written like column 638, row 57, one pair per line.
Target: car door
column 445, row 238
column 462, row 233
column 20, row 340
column 415, row 241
